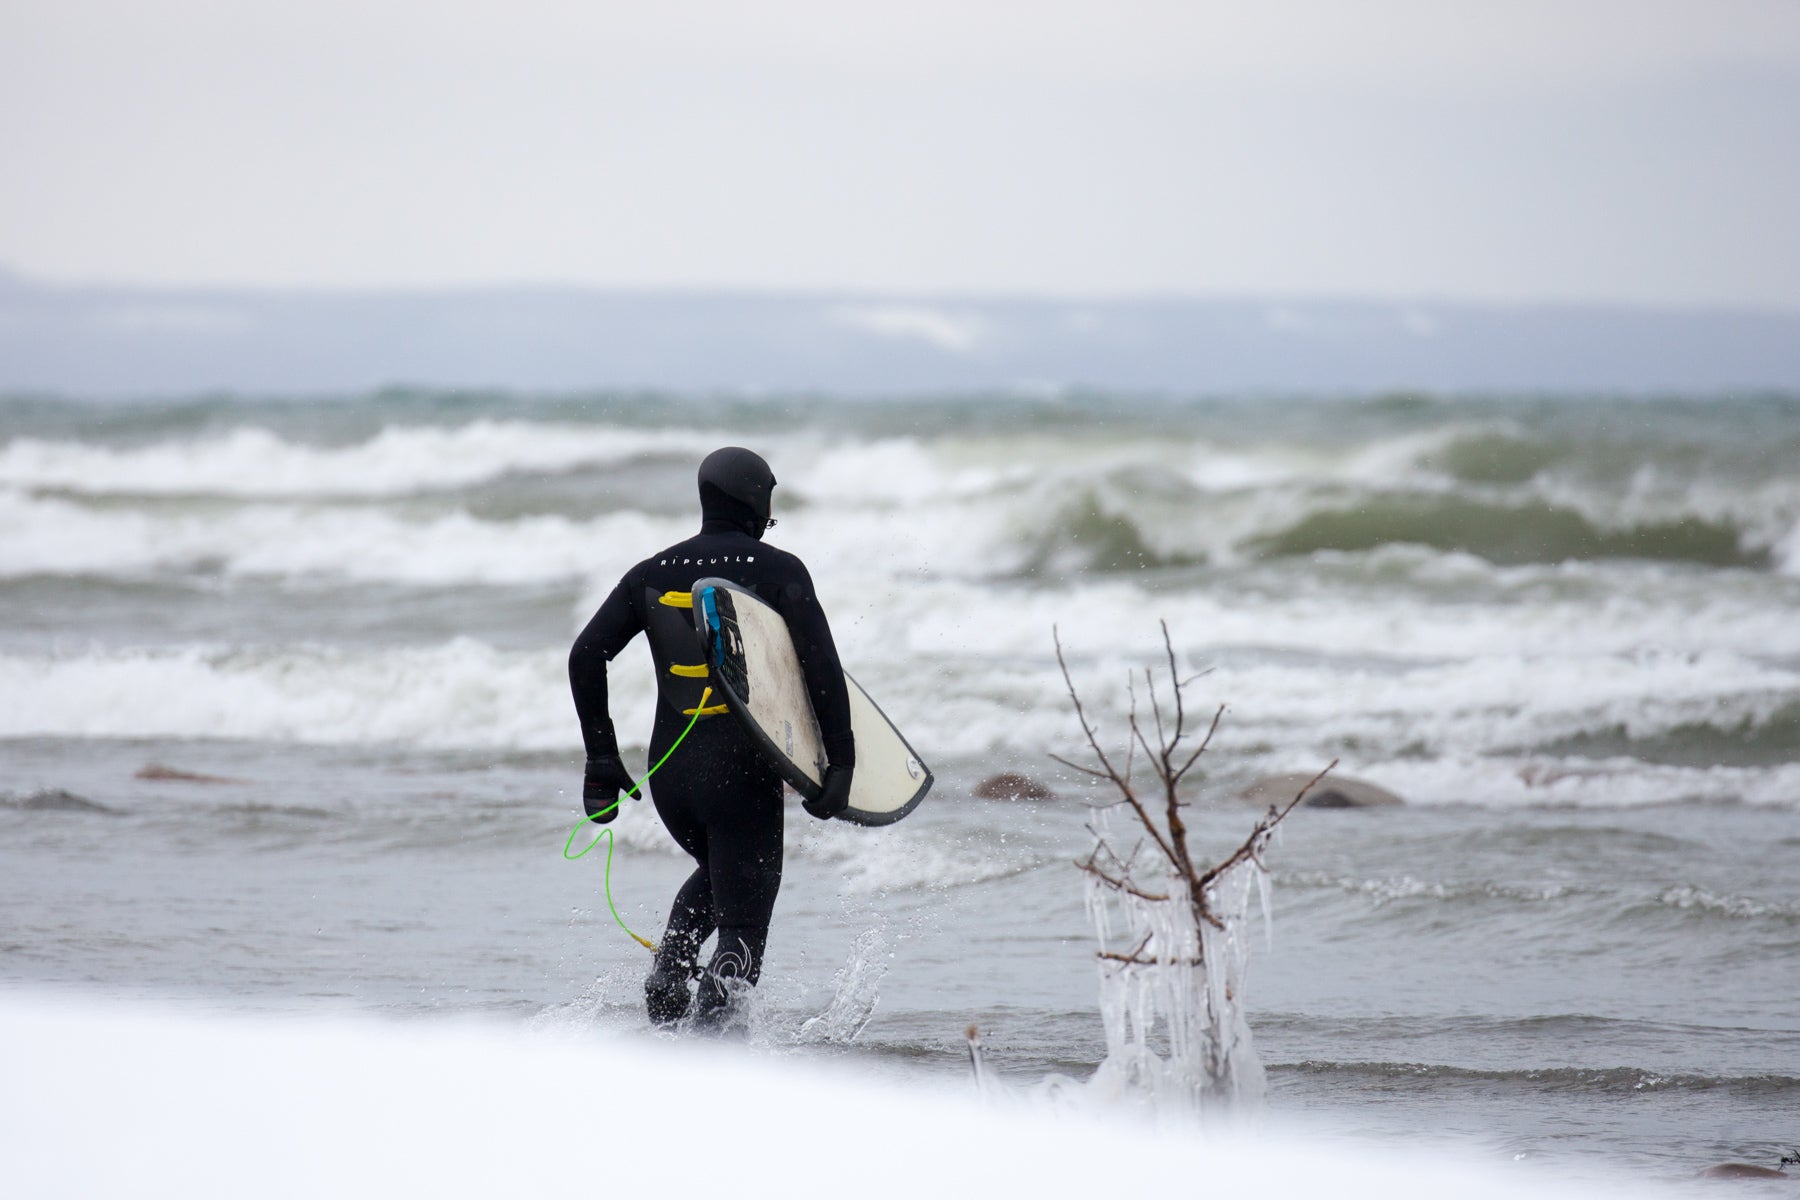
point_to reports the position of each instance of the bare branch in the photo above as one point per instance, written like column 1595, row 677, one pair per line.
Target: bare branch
column 1137, row 738
column 1156, row 834
column 1123, row 865
column 1174, row 678
column 1131, row 723
column 1204, row 743
column 1119, row 884
column 1136, row 957
column 1074, row 766
column 1253, row 844
column 1087, row 728
column 1132, row 956
column 1170, row 835
column 1162, row 738
column 1140, row 961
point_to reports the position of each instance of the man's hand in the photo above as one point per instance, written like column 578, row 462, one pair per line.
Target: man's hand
column 835, row 797
column 606, row 777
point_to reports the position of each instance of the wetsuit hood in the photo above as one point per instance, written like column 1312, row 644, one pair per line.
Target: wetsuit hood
column 735, row 490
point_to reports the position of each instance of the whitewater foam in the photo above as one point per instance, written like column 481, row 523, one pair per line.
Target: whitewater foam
column 461, row 693
column 254, row 462
column 305, row 543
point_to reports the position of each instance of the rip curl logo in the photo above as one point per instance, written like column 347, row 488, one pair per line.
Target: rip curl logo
column 731, row 964
column 706, row 562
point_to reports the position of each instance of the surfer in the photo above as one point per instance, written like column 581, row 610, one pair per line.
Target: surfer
column 719, row 797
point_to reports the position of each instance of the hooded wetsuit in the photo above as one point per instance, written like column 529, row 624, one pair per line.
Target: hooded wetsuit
column 719, row 797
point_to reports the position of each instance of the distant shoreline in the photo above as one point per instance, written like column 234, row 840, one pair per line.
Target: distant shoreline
column 112, row 341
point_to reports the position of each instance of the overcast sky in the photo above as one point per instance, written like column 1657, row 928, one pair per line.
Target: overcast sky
column 1626, row 150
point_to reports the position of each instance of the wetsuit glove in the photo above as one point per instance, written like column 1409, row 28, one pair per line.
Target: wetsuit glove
column 835, row 796
column 606, row 777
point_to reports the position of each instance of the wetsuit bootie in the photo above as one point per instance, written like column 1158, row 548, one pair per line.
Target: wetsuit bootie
column 736, row 964
column 719, row 1004
column 666, row 992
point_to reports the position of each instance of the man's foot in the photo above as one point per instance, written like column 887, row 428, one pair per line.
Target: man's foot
column 726, row 1016
column 666, row 993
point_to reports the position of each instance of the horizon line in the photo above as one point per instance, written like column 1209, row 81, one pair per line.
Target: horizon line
column 15, row 277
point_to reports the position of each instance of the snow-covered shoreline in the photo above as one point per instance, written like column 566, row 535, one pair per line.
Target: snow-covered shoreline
column 108, row 1099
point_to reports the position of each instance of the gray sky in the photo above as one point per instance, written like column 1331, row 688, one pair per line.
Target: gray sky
column 1636, row 150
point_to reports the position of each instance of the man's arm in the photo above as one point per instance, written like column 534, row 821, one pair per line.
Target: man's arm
column 613, row 625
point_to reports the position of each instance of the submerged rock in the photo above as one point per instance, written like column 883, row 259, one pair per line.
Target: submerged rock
column 1009, row 785
column 1333, row 791
column 161, row 774
column 57, row 800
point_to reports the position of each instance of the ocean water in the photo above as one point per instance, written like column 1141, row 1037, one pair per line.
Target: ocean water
column 1565, row 630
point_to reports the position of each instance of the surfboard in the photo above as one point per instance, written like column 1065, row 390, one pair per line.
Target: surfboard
column 753, row 663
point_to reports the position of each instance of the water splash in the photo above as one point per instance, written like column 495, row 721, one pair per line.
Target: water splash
column 856, row 990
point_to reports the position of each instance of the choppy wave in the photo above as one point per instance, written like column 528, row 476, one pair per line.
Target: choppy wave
column 1686, row 898
column 57, row 537
column 1034, row 510
column 463, row 693
column 904, row 860
column 934, row 571
column 1381, row 892
column 1499, row 781
column 1768, row 737
column 1103, row 501
column 1527, row 603
column 1580, row 1080
column 1436, row 734
column 1520, row 532
column 254, row 462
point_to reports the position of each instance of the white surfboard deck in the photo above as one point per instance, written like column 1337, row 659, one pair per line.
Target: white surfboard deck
column 752, row 660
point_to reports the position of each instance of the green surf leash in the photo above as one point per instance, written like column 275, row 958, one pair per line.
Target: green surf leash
column 646, row 943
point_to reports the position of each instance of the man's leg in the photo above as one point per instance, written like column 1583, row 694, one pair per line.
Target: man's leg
column 690, row 923
column 735, row 966
column 745, row 876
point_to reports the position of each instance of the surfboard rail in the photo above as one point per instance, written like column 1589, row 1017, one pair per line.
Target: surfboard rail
column 752, row 661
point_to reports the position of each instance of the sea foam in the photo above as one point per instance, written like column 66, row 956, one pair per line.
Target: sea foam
column 251, row 462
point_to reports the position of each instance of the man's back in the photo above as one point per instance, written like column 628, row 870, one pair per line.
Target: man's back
column 719, row 797
column 653, row 597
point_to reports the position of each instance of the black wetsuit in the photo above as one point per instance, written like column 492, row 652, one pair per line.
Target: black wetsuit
column 719, row 796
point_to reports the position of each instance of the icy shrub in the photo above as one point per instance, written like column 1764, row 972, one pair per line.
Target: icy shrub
column 1174, row 937
column 1162, row 967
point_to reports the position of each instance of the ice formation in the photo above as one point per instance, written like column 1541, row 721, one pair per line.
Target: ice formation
column 1172, row 990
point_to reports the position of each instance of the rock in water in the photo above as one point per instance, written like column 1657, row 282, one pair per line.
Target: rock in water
column 157, row 772
column 57, row 800
column 1333, row 791
column 1010, row 786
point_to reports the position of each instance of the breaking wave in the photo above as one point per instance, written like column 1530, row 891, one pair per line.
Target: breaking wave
column 250, row 461
column 1483, row 602
column 461, row 693
column 1767, row 737
column 1509, row 533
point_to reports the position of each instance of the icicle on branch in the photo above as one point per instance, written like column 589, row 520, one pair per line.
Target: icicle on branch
column 1160, row 740
column 1173, row 955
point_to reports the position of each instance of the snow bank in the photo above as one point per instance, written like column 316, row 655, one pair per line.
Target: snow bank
column 98, row 1100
